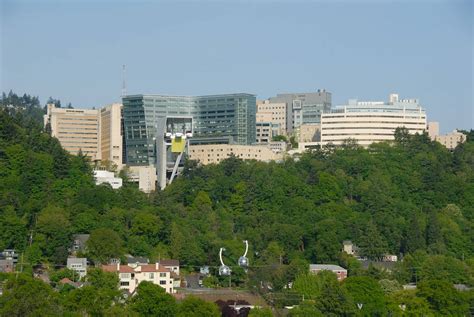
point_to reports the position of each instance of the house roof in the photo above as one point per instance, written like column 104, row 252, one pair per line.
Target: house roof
column 169, row 262
column 82, row 261
column 330, row 267
column 82, row 237
column 137, row 259
column 121, row 269
column 152, row 268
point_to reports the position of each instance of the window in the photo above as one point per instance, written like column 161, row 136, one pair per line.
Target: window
column 162, row 282
column 162, row 274
column 152, row 275
column 124, row 283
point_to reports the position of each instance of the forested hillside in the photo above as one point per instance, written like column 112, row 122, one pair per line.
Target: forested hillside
column 412, row 198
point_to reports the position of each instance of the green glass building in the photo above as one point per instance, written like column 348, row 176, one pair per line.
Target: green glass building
column 219, row 119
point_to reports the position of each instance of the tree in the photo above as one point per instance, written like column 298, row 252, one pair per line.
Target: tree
column 413, row 305
column 103, row 245
column 195, row 307
column 443, row 297
column 372, row 244
column 365, row 290
column 26, row 296
column 152, row 300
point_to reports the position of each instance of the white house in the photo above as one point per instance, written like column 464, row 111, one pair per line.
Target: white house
column 79, row 265
column 107, row 177
column 130, row 277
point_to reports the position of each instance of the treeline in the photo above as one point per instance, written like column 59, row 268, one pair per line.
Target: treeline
column 412, row 198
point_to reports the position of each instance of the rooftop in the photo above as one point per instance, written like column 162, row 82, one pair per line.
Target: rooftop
column 330, row 267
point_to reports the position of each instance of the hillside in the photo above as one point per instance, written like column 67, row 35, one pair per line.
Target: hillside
column 412, row 198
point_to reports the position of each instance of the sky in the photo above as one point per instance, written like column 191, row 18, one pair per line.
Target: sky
column 74, row 50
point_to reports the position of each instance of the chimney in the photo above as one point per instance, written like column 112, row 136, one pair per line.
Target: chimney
column 157, row 266
column 118, row 265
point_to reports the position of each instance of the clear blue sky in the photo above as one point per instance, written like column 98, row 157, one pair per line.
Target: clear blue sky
column 74, row 50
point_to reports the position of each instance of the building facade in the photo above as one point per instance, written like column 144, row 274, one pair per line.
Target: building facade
column 274, row 113
column 106, row 177
column 78, row 265
column 131, row 277
column 367, row 122
column 226, row 119
column 111, row 134
column 263, row 132
column 76, row 129
column 338, row 270
column 303, row 108
column 452, row 139
column 215, row 153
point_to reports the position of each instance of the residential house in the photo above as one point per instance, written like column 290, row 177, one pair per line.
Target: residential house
column 9, row 254
column 78, row 265
column 134, row 261
column 350, row 248
column 6, row 266
column 173, row 266
column 79, row 242
column 340, row 271
column 131, row 277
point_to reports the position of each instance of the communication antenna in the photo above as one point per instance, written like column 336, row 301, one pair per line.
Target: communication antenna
column 224, row 269
column 124, row 86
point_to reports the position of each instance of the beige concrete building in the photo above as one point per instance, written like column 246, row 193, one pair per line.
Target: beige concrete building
column 309, row 133
column 451, row 140
column 433, row 130
column 264, row 132
column 215, row 153
column 274, row 113
column 145, row 176
column 371, row 121
column 111, row 134
column 76, row 129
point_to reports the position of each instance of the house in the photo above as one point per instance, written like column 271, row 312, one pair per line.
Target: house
column 350, row 248
column 9, row 254
column 65, row 281
column 172, row 265
column 340, row 271
column 6, row 266
column 79, row 265
column 130, row 277
column 79, row 242
column 134, row 261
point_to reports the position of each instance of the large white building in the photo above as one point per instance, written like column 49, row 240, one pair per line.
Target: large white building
column 130, row 277
column 76, row 129
column 372, row 121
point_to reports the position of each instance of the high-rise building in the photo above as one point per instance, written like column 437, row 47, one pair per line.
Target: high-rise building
column 303, row 108
column 111, row 134
column 76, row 129
column 222, row 119
column 372, row 121
column 274, row 113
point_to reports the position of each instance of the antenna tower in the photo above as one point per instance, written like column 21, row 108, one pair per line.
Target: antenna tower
column 124, row 86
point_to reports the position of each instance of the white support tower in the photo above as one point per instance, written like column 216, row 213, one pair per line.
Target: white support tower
column 172, row 142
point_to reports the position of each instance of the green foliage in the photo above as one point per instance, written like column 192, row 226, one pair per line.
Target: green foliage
column 260, row 312
column 104, row 244
column 26, row 296
column 368, row 292
column 195, row 307
column 411, row 197
column 151, row 300
column 443, row 297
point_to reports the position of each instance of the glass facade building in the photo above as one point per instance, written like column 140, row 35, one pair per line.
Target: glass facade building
column 222, row 119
